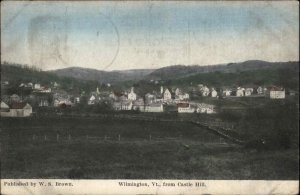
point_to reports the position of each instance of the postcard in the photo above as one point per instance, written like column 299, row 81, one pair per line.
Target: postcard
column 149, row 97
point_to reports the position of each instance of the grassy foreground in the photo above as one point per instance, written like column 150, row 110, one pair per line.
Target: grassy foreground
column 174, row 151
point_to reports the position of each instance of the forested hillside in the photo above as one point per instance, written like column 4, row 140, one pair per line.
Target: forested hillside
column 16, row 74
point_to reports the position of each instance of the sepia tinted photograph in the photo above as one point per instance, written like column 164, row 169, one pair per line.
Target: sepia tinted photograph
column 195, row 90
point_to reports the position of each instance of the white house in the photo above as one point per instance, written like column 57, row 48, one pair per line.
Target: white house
column 167, row 95
column 177, row 92
column 30, row 85
column 161, row 90
column 205, row 108
column 43, row 103
column 138, row 105
column 248, row 91
column 37, row 86
column 77, row 100
column 154, row 107
column 227, row 92
column 179, row 95
column 113, row 96
column 45, row 90
column 205, row 91
column 62, row 101
column 214, row 93
column 260, row 90
column 4, row 109
column 122, row 105
column 92, row 99
column 17, row 109
column 277, row 92
column 132, row 95
column 184, row 96
column 5, row 83
column 55, row 84
column 240, row 92
column 185, row 108
column 150, row 97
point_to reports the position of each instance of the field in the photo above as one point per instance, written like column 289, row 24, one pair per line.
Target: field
column 96, row 148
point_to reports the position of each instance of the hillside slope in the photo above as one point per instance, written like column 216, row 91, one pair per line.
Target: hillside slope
column 180, row 71
column 16, row 74
column 102, row 76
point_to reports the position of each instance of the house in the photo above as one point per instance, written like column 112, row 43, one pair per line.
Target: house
column 37, row 86
column 227, row 92
column 92, row 99
column 276, row 92
column 122, row 105
column 150, row 97
column 30, row 85
column 205, row 91
column 77, row 100
column 260, row 90
column 161, row 90
column 55, row 85
column 17, row 109
column 43, row 103
column 113, row 96
column 213, row 93
column 62, row 102
column 177, row 92
column 184, row 96
column 5, row 83
column 24, row 85
column 117, row 96
column 132, row 95
column 185, row 108
column 154, row 107
column 205, row 108
column 45, row 90
column 138, row 105
column 4, row 108
column 15, row 98
column 240, row 92
column 181, row 96
column 167, row 95
column 248, row 91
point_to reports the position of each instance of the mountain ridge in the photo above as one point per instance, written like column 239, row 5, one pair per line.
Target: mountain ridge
column 168, row 72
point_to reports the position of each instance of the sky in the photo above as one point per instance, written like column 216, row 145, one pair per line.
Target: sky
column 147, row 34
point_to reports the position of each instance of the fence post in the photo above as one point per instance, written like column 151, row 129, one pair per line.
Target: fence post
column 57, row 137
column 69, row 137
column 104, row 137
column 150, row 137
column 45, row 137
column 33, row 137
column 119, row 137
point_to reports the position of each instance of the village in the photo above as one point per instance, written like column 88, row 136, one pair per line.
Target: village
column 165, row 99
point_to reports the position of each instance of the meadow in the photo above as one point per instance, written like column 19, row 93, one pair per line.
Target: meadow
column 97, row 148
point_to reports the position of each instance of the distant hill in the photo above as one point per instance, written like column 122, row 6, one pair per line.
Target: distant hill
column 17, row 74
column 102, row 76
column 180, row 71
column 258, row 71
column 286, row 77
